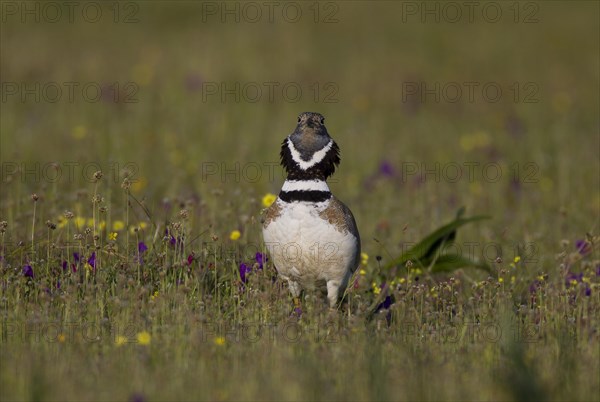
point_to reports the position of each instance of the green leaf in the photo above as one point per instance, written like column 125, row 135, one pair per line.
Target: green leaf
column 451, row 262
column 424, row 251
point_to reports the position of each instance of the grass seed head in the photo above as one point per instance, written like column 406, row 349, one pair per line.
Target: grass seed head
column 184, row 213
column 126, row 185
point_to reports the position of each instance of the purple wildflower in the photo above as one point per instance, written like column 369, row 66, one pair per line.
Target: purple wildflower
column 572, row 277
column 515, row 127
column 583, row 247
column 385, row 304
column 142, row 247
column 172, row 239
column 92, row 260
column 535, row 285
column 137, row 397
column 64, row 265
column 28, row 271
column 141, row 250
column 260, row 259
column 190, row 259
column 297, row 312
column 77, row 258
column 245, row 269
column 386, row 169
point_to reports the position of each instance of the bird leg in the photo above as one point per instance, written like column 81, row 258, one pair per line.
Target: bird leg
column 333, row 288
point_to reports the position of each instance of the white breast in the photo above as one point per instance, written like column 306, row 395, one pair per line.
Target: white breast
column 307, row 249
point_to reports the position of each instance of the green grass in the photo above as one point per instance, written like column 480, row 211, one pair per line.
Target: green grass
column 527, row 331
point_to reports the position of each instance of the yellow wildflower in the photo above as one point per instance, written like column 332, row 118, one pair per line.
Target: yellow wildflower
column 118, row 226
column 139, row 184
column 112, row 236
column 141, row 226
column 88, row 269
column 268, row 199
column 61, row 222
column 219, row 341
column 79, row 222
column 62, row 338
column 362, row 272
column 500, row 280
column 364, row 258
column 376, row 288
column 234, row 235
column 79, row 132
column 120, row 340
column 480, row 139
column 143, row 73
column 517, row 259
column 143, row 338
column 154, row 295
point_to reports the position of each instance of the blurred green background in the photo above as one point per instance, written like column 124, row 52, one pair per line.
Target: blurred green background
column 354, row 66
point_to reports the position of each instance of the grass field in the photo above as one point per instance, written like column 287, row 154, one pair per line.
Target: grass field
column 149, row 281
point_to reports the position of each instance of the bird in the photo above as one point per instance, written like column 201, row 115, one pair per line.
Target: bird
column 311, row 235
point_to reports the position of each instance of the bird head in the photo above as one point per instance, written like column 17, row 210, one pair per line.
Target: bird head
column 309, row 153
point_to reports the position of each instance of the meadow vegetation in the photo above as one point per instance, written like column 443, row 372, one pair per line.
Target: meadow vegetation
column 131, row 261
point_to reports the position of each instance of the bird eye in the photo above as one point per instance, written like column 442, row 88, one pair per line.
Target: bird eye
column 299, row 118
column 322, row 120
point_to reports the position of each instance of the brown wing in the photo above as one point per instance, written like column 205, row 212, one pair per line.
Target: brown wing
column 339, row 215
column 271, row 213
